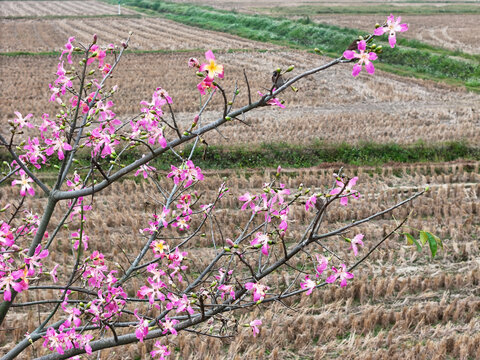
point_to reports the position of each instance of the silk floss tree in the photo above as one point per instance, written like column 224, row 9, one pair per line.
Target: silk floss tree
column 96, row 304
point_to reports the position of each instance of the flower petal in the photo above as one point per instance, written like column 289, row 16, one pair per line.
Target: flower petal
column 356, row 69
column 209, row 55
column 349, row 54
column 362, row 45
column 370, row 68
column 392, row 40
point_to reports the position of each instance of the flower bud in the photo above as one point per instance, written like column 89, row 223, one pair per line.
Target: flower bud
column 228, row 118
column 94, row 39
column 290, row 68
column 377, row 25
column 193, row 62
column 227, row 249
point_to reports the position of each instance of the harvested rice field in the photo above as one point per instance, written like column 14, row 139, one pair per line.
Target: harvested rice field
column 401, row 304
column 14, row 9
column 331, row 106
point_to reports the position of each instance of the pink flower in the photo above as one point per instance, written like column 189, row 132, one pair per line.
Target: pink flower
column 33, row 262
column 204, row 85
column 6, row 235
column 169, row 326
column 248, row 198
column 356, row 240
column 22, row 121
column 54, row 341
column 182, row 304
column 392, row 27
column 182, row 223
column 364, row 58
column 25, row 184
column 284, row 219
column 159, row 247
column 322, row 264
column 227, row 289
column 261, row 239
column 141, row 330
column 159, row 351
column 68, row 50
column 311, row 201
column 254, row 325
column 273, row 101
column 11, row 280
column 259, row 290
column 53, row 273
column 348, row 190
column 308, row 284
column 144, row 169
column 59, row 144
column 212, row 68
column 340, row 273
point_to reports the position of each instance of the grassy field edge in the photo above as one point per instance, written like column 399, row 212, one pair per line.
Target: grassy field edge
column 267, row 155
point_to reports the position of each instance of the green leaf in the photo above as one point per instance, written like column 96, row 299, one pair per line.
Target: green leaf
column 438, row 240
column 423, row 237
column 411, row 240
column 432, row 242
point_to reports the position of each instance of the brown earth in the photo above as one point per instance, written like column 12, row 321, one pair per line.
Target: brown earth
column 36, row 35
column 331, row 106
column 57, row 8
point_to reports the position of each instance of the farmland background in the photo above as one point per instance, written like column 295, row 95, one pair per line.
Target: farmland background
column 415, row 122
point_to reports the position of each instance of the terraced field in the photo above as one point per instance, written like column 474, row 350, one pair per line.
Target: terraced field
column 400, row 305
column 46, row 35
column 331, row 106
column 14, row 9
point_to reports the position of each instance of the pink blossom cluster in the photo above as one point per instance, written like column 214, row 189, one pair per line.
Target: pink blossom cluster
column 272, row 203
column 187, row 172
column 365, row 57
column 16, row 267
column 158, row 279
column 224, row 278
column 149, row 125
column 346, row 190
column 211, row 68
column 105, row 307
column 259, row 291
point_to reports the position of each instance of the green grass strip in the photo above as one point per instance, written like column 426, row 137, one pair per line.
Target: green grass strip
column 301, row 156
column 411, row 57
